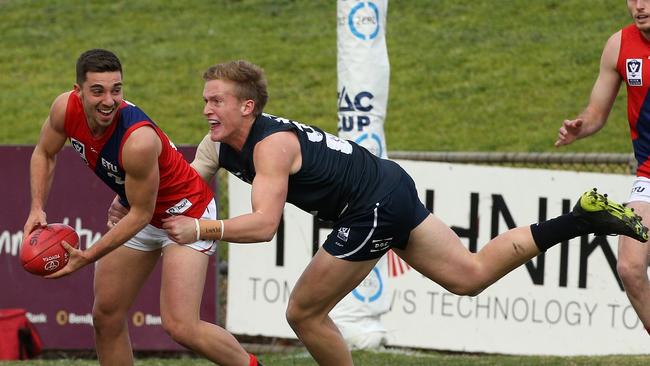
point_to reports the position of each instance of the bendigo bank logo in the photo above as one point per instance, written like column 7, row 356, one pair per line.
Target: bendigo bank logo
column 64, row 317
column 140, row 319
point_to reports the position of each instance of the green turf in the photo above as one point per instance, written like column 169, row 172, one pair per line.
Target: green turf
column 465, row 76
column 383, row 358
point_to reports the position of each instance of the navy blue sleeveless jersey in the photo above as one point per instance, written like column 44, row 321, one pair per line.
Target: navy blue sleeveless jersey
column 337, row 176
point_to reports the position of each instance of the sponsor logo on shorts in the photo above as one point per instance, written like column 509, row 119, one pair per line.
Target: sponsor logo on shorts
column 343, row 233
column 380, row 245
column 180, row 207
column 634, row 71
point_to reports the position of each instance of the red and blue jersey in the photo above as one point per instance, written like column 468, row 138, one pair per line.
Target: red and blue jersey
column 181, row 190
column 631, row 65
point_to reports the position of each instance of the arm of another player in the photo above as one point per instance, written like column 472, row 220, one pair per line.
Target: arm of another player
column 206, row 159
column 603, row 95
column 116, row 212
column 140, row 161
column 41, row 167
column 275, row 158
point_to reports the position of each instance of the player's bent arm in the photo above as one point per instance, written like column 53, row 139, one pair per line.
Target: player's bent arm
column 206, row 159
column 604, row 91
column 140, row 161
column 51, row 140
column 206, row 164
column 275, row 159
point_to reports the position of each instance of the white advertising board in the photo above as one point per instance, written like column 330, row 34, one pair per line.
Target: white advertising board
column 565, row 302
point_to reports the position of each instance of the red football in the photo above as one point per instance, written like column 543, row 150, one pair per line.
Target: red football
column 42, row 252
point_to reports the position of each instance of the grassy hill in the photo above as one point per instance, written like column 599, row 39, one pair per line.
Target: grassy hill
column 465, row 76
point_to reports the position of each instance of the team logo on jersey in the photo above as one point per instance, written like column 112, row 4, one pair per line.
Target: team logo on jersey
column 80, row 148
column 180, row 207
column 634, row 70
column 343, row 233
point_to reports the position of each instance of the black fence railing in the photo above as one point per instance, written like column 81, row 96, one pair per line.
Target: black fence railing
column 591, row 162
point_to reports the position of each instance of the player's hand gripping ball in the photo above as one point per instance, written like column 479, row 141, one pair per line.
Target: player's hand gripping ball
column 42, row 253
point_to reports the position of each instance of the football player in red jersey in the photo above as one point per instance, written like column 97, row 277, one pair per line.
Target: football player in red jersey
column 625, row 58
column 134, row 157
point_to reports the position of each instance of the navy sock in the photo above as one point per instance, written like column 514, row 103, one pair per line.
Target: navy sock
column 548, row 233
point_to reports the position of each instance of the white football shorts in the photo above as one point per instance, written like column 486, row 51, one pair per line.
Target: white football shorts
column 152, row 238
column 640, row 190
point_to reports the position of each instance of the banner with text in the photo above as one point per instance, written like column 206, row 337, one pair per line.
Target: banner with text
column 569, row 299
column 62, row 309
column 363, row 72
column 363, row 78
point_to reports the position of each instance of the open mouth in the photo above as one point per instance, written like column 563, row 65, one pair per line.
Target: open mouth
column 106, row 112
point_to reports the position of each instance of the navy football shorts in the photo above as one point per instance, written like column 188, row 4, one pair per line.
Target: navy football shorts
column 366, row 235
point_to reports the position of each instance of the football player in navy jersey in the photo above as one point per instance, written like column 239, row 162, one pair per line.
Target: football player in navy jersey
column 373, row 203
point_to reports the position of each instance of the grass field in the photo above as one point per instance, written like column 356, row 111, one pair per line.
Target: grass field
column 465, row 76
column 382, row 358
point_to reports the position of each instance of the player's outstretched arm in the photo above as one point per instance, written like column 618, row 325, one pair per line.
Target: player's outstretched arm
column 602, row 98
column 275, row 158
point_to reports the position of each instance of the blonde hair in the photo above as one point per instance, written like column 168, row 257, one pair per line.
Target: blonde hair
column 249, row 79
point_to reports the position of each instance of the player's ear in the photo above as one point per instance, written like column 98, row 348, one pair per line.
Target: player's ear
column 77, row 88
column 247, row 107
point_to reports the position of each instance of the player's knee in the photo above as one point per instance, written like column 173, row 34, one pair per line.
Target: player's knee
column 466, row 289
column 633, row 275
column 107, row 319
column 292, row 314
column 179, row 331
column 471, row 283
column 295, row 314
